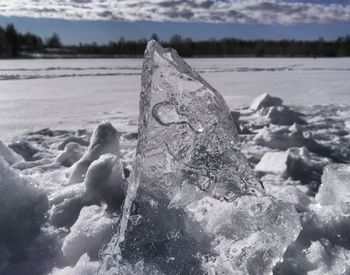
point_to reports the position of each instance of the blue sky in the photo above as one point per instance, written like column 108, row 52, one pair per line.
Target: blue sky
column 105, row 20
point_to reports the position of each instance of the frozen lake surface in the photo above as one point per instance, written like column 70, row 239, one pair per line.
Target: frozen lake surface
column 62, row 191
column 78, row 93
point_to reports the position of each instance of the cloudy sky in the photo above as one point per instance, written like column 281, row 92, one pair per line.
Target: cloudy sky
column 104, row 20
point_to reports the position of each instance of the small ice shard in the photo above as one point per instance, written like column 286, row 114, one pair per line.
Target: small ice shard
column 273, row 163
column 71, row 154
column 88, row 233
column 334, row 192
column 289, row 193
column 265, row 100
column 297, row 163
column 105, row 181
column 285, row 137
column 9, row 156
column 105, row 139
column 194, row 201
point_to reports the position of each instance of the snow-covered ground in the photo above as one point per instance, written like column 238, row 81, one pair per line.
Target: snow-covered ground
column 77, row 93
column 61, row 190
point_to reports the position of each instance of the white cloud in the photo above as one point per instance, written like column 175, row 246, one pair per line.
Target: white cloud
column 241, row 11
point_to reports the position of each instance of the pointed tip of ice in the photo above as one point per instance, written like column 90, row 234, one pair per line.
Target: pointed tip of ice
column 153, row 45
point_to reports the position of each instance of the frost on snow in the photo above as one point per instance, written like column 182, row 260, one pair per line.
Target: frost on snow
column 83, row 267
column 196, row 204
column 88, row 233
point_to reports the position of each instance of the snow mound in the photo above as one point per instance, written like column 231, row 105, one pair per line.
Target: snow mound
column 265, row 100
column 66, row 204
column 79, row 140
column 8, row 155
column 105, row 139
column 72, row 153
column 22, row 211
column 88, row 234
column 83, row 267
column 105, row 180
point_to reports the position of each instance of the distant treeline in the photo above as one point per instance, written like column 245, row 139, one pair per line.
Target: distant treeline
column 14, row 44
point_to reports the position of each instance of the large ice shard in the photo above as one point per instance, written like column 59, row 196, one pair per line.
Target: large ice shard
column 195, row 206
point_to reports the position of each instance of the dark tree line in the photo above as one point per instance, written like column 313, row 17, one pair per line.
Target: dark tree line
column 14, row 44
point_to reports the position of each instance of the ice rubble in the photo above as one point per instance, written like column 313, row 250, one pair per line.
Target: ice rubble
column 297, row 163
column 279, row 115
column 103, row 181
column 325, row 260
column 198, row 206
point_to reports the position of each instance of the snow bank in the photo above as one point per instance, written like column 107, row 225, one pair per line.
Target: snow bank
column 88, row 234
column 83, row 267
column 22, row 212
column 105, row 139
column 8, row 155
